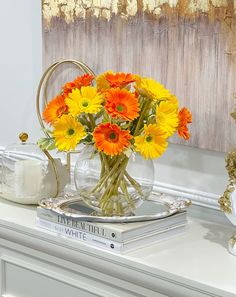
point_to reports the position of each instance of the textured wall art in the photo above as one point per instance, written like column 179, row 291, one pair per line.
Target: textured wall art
column 189, row 48
column 70, row 10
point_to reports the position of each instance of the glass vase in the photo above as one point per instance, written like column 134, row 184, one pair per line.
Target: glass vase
column 113, row 186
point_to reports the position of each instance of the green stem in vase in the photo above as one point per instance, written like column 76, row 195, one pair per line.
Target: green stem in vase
column 146, row 107
column 103, row 169
column 85, row 122
column 106, row 166
column 113, row 185
column 109, row 175
column 120, row 209
column 112, row 189
column 106, row 162
column 92, row 121
column 133, row 182
column 129, row 200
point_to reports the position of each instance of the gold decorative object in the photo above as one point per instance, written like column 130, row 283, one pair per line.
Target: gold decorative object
column 233, row 113
column 232, row 240
column 23, row 137
column 42, row 100
column 43, row 85
column 228, row 200
column 71, row 10
column 224, row 201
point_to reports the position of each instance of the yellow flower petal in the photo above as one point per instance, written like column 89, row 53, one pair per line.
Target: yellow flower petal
column 152, row 143
column 152, row 89
column 167, row 117
column 68, row 133
column 87, row 100
column 102, row 83
column 173, row 100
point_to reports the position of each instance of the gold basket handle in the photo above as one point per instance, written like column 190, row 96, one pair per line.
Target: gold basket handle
column 43, row 88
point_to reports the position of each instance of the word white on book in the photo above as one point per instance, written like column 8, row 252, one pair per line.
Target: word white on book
column 76, row 234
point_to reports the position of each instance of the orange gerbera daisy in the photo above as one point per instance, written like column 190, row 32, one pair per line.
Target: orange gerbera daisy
column 55, row 109
column 80, row 81
column 119, row 79
column 185, row 118
column 110, row 139
column 122, row 103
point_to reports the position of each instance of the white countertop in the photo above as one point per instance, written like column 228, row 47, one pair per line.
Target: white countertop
column 199, row 258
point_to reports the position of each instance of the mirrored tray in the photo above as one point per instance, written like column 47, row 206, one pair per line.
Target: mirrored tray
column 158, row 206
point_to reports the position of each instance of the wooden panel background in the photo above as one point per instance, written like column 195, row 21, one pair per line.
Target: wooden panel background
column 195, row 60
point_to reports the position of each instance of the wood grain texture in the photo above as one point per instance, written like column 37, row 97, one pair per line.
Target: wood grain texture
column 190, row 58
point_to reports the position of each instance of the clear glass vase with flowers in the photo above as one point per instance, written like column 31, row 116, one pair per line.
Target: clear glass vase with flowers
column 124, row 121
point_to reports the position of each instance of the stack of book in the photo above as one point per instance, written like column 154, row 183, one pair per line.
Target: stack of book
column 118, row 237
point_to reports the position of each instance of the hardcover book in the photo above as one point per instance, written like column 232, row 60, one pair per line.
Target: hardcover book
column 98, row 241
column 119, row 232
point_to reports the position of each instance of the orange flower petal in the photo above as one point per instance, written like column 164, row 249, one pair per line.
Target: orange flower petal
column 79, row 82
column 67, row 88
column 55, row 109
column 110, row 139
column 119, row 79
column 185, row 118
column 121, row 103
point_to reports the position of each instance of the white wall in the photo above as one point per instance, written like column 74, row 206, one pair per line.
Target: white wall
column 192, row 168
column 20, row 70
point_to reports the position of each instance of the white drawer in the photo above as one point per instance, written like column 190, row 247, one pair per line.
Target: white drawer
column 28, row 273
column 21, row 282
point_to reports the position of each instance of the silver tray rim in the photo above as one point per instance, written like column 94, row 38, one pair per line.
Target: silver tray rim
column 174, row 205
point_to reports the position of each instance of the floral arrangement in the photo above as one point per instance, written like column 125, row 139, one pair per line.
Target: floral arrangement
column 116, row 113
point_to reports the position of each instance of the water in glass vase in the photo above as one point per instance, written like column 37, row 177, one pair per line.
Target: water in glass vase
column 113, row 186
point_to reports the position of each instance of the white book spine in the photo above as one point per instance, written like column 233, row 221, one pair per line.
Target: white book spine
column 80, row 235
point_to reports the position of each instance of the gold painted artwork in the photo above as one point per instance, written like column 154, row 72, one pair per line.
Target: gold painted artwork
column 70, row 10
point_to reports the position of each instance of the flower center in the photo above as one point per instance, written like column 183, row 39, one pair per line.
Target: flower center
column 70, row 131
column 85, row 104
column 121, row 108
column 112, row 135
column 149, row 138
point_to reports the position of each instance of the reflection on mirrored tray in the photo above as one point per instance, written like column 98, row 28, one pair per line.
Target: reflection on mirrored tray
column 147, row 208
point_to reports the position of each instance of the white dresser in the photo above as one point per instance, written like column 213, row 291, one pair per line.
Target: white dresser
column 34, row 263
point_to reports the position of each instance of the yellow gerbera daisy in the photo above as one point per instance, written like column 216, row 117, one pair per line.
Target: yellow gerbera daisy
column 68, row 133
column 167, row 117
column 174, row 100
column 87, row 100
column 102, row 83
column 152, row 89
column 152, row 143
